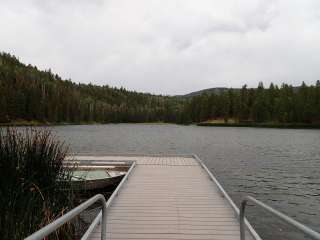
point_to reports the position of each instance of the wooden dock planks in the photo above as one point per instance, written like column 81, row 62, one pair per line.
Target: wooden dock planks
column 169, row 198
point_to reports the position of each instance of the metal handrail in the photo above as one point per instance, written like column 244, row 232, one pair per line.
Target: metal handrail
column 306, row 230
column 97, row 220
column 45, row 231
column 253, row 233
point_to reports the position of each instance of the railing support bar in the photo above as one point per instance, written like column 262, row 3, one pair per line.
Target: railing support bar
column 254, row 234
column 104, row 220
column 306, row 230
column 45, row 231
column 114, row 194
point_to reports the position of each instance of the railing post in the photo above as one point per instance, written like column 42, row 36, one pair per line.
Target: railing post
column 48, row 229
column 104, row 221
column 242, row 223
column 99, row 217
column 306, row 230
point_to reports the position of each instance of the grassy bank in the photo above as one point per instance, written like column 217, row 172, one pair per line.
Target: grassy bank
column 263, row 125
column 31, row 190
column 23, row 123
column 34, row 123
column 207, row 124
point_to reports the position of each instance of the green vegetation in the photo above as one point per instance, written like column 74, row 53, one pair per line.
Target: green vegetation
column 28, row 94
column 31, row 194
column 274, row 106
column 262, row 125
column 31, row 96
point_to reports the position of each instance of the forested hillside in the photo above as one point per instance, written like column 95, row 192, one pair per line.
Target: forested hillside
column 285, row 104
column 28, row 94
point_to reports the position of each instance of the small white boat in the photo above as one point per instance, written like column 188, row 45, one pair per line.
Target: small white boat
column 95, row 179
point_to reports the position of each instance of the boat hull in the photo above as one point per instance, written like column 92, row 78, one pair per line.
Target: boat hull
column 96, row 183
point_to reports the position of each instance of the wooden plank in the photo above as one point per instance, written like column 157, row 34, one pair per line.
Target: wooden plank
column 169, row 198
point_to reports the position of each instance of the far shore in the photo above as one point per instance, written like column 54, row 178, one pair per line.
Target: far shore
column 201, row 124
column 44, row 124
column 262, row 125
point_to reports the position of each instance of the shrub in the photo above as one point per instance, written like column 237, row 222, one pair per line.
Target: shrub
column 31, row 191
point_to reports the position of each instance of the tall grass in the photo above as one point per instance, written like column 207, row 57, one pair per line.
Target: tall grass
column 31, row 195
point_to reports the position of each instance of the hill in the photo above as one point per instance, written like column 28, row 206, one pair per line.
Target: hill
column 218, row 90
column 29, row 94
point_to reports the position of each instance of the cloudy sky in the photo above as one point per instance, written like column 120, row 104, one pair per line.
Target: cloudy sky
column 167, row 46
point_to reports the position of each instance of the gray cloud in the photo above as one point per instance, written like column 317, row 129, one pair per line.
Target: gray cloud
column 167, row 46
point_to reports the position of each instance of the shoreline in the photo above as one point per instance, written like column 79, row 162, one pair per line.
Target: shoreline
column 262, row 125
column 50, row 124
column 201, row 124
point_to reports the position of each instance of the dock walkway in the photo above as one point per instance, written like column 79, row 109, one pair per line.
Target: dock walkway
column 168, row 197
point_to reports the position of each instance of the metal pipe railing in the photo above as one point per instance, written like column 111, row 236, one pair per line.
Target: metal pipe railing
column 45, row 231
column 253, row 233
column 306, row 230
column 97, row 220
column 92, row 226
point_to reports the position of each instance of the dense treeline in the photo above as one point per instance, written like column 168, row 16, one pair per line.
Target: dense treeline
column 285, row 104
column 27, row 93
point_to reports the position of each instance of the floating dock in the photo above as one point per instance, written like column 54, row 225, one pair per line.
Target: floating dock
column 167, row 197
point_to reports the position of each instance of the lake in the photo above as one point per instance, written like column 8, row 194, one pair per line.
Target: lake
column 281, row 167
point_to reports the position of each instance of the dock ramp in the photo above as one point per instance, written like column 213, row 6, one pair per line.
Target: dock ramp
column 169, row 197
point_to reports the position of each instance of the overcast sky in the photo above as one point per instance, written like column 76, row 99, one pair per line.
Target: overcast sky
column 167, row 46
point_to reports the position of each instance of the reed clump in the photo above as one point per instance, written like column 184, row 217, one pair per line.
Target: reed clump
column 35, row 189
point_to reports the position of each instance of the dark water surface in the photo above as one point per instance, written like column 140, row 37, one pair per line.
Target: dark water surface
column 281, row 167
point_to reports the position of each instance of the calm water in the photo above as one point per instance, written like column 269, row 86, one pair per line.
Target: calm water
column 278, row 166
